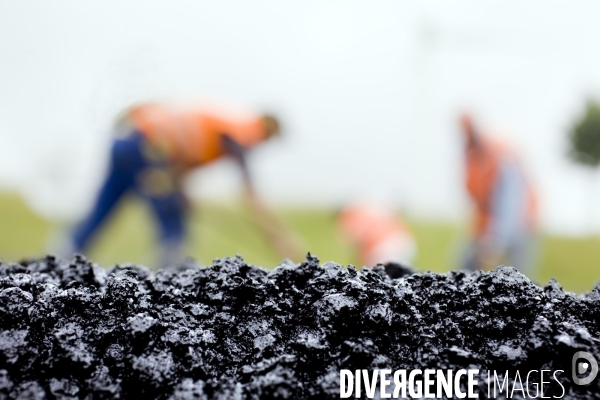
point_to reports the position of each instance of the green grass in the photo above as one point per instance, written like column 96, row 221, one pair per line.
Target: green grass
column 218, row 230
column 22, row 233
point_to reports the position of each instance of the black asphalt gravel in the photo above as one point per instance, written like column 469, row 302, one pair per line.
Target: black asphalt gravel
column 234, row 331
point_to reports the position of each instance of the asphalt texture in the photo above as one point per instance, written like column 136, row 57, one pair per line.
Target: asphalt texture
column 70, row 329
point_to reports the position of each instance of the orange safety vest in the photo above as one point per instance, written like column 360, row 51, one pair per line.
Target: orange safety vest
column 191, row 136
column 369, row 227
column 483, row 166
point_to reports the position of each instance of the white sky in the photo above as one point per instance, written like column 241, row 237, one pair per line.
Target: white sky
column 368, row 92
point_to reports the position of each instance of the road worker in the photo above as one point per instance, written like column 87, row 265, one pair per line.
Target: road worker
column 378, row 233
column 505, row 205
column 159, row 143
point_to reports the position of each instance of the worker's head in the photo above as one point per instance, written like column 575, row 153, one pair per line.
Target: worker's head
column 468, row 128
column 271, row 124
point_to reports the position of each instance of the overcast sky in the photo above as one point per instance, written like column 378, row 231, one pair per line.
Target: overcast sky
column 368, row 92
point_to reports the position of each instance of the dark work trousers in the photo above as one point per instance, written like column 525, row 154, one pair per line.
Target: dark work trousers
column 135, row 167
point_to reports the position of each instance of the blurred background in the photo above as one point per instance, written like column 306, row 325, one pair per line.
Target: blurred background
column 368, row 94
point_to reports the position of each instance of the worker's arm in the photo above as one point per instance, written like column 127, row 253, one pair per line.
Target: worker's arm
column 238, row 153
column 277, row 234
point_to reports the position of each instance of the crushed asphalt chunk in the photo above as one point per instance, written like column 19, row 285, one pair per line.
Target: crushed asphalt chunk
column 70, row 329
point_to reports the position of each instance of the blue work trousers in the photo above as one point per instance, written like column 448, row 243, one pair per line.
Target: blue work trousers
column 136, row 167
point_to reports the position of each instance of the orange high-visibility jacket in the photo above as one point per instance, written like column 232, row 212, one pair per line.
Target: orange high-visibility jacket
column 193, row 136
column 483, row 168
column 370, row 227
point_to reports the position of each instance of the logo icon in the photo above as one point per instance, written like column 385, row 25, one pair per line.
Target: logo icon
column 579, row 368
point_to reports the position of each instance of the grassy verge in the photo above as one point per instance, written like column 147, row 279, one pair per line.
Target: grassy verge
column 222, row 230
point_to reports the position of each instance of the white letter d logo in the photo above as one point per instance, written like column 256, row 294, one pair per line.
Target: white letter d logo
column 582, row 367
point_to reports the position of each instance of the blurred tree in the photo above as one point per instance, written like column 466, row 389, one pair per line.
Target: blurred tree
column 584, row 137
column 584, row 149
